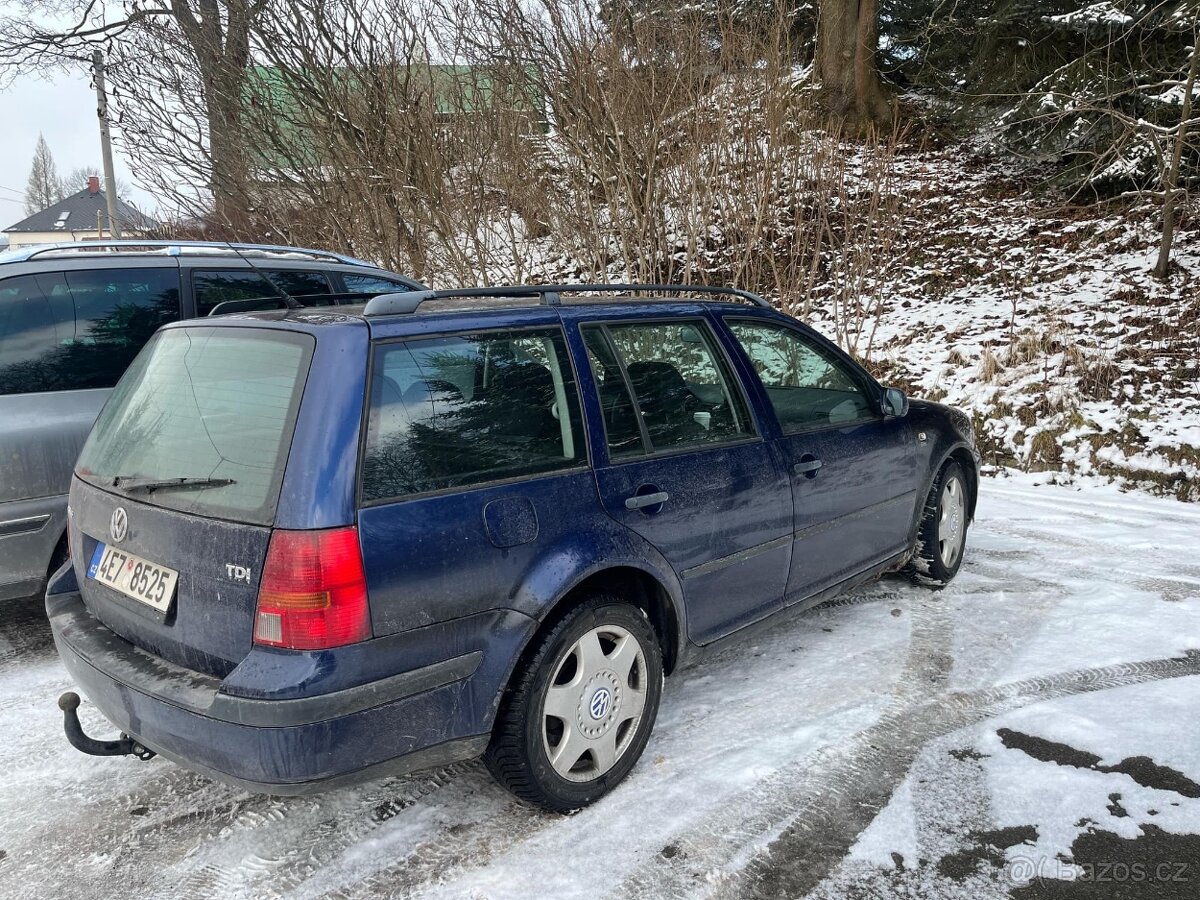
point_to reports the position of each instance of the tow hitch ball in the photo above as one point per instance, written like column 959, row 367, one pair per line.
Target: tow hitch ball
column 123, row 746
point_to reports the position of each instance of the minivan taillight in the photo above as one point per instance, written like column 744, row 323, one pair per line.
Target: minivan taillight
column 313, row 593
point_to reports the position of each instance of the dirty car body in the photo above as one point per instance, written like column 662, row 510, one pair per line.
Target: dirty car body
column 340, row 560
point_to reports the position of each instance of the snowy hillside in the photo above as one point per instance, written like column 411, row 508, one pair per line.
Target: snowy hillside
column 1046, row 325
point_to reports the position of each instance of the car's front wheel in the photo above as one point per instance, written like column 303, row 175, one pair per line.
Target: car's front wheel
column 942, row 535
column 579, row 713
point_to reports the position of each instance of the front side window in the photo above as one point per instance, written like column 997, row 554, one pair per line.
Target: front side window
column 456, row 411
column 217, row 286
column 683, row 396
column 807, row 387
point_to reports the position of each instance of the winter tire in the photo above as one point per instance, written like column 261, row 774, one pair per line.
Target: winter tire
column 579, row 710
column 942, row 535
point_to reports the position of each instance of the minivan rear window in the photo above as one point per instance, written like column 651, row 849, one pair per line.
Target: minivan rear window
column 456, row 411
column 215, row 407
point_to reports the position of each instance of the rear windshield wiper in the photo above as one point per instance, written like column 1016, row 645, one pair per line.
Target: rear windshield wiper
column 149, row 485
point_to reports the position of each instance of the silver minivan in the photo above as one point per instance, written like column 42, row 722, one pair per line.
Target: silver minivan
column 72, row 318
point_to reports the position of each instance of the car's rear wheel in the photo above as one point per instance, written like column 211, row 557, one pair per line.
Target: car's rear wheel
column 942, row 535
column 579, row 712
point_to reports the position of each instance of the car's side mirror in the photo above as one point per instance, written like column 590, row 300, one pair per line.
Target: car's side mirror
column 894, row 404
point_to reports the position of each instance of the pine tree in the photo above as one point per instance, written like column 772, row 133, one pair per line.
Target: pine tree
column 1107, row 111
column 44, row 187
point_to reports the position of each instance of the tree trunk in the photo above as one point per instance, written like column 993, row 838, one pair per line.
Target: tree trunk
column 1171, row 178
column 221, row 45
column 849, row 85
column 228, row 181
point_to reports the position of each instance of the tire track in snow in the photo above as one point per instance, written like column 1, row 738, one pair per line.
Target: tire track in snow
column 284, row 858
column 1153, row 510
column 808, row 814
column 24, row 634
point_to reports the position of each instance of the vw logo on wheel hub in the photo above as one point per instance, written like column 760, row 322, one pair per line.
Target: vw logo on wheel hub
column 118, row 525
column 600, row 702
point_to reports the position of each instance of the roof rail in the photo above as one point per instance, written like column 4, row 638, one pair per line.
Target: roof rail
column 182, row 248
column 547, row 294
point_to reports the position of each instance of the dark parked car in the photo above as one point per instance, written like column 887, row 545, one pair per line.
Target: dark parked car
column 308, row 548
column 72, row 318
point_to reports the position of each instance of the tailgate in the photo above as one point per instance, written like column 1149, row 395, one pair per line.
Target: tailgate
column 180, row 479
column 209, row 622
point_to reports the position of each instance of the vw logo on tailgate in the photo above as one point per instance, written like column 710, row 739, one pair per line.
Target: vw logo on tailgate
column 118, row 525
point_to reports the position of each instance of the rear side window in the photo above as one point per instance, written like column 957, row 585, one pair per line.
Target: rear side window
column 369, row 284
column 80, row 329
column 204, row 403
column 30, row 334
column 217, row 286
column 456, row 411
column 683, row 395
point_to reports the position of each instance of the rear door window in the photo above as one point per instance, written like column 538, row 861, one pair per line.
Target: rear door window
column 213, row 286
column 213, row 405
column 683, row 395
column 450, row 412
column 32, row 333
column 116, row 312
column 621, row 428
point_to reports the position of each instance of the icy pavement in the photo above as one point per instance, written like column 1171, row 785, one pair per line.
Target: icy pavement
column 1031, row 731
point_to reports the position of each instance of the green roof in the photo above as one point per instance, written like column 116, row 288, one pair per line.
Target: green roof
column 450, row 89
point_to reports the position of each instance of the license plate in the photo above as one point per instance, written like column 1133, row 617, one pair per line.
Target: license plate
column 133, row 576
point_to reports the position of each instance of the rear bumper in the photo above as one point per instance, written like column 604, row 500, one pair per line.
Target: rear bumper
column 431, row 715
column 29, row 532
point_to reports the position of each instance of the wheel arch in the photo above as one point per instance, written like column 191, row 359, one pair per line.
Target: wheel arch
column 658, row 597
column 962, row 455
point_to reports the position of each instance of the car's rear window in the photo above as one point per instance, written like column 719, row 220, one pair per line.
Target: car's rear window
column 203, row 403
column 455, row 411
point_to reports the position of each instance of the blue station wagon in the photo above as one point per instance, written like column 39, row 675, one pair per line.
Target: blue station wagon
column 310, row 547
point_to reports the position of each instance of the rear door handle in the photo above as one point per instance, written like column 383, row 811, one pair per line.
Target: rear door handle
column 807, row 467
column 641, row 501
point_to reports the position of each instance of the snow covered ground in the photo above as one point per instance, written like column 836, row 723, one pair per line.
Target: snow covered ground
column 1031, row 731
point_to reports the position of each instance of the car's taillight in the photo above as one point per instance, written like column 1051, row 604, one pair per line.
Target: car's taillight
column 313, row 593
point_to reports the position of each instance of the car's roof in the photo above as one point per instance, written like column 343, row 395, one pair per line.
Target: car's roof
column 440, row 316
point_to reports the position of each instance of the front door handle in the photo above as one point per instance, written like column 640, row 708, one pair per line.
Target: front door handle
column 808, row 466
column 641, row 501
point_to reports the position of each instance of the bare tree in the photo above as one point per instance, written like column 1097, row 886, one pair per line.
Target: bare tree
column 44, row 187
column 178, row 69
column 77, row 179
column 1171, row 188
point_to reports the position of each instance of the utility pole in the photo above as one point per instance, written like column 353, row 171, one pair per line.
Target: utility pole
column 110, row 179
